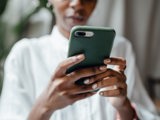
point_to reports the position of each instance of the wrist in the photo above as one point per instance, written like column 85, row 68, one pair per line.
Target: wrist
column 125, row 103
column 40, row 112
column 46, row 113
column 126, row 111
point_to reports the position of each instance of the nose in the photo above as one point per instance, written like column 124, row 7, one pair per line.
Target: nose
column 76, row 4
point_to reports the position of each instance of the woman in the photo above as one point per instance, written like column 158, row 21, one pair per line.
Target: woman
column 36, row 89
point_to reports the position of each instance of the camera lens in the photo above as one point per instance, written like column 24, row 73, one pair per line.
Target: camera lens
column 80, row 33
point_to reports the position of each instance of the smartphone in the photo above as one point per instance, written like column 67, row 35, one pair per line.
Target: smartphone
column 94, row 42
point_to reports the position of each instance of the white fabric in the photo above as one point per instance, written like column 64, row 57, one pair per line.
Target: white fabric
column 28, row 70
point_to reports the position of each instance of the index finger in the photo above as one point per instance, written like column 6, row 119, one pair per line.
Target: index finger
column 121, row 62
column 63, row 66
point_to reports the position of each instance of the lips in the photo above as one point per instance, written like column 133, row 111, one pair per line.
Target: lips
column 76, row 18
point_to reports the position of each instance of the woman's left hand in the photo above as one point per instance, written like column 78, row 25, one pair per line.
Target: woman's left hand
column 112, row 82
column 118, row 92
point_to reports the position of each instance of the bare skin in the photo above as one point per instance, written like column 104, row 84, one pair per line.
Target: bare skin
column 72, row 12
column 61, row 90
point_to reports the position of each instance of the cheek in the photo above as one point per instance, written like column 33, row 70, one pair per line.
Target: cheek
column 89, row 12
column 59, row 11
column 90, row 9
column 60, row 8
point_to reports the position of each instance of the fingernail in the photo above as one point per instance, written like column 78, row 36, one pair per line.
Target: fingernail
column 103, row 68
column 86, row 81
column 80, row 56
column 107, row 60
column 101, row 93
column 94, row 86
column 74, row 59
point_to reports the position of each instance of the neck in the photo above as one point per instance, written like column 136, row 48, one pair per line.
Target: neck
column 64, row 32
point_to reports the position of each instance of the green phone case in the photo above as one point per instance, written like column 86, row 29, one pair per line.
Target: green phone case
column 95, row 48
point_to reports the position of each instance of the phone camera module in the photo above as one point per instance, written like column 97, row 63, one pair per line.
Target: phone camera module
column 80, row 34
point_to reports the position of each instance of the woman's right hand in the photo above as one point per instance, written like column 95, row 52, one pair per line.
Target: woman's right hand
column 62, row 90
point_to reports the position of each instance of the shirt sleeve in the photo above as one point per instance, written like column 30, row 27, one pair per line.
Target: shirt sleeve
column 145, row 108
column 17, row 92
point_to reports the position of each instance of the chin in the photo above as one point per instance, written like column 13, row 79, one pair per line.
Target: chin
column 72, row 25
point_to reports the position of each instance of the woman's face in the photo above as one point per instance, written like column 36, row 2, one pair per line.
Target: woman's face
column 72, row 12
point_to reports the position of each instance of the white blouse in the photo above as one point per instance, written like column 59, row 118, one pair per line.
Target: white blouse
column 30, row 66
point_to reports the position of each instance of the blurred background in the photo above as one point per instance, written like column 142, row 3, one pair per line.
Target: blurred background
column 137, row 20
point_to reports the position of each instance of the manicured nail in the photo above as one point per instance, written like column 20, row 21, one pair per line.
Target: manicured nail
column 86, row 81
column 101, row 93
column 108, row 60
column 94, row 86
column 73, row 59
column 80, row 56
column 103, row 68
